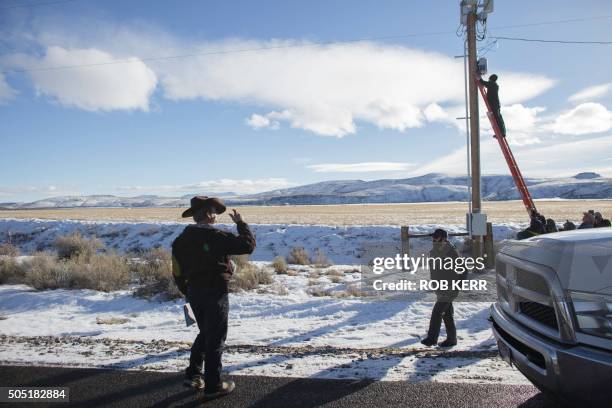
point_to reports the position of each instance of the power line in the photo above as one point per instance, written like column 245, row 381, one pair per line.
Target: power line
column 573, row 20
column 44, row 3
column 312, row 44
column 552, row 41
column 223, row 52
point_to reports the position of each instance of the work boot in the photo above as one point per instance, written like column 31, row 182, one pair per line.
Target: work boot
column 448, row 343
column 224, row 388
column 193, row 379
column 429, row 342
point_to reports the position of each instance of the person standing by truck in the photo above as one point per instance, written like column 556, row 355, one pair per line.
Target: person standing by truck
column 202, row 269
column 443, row 308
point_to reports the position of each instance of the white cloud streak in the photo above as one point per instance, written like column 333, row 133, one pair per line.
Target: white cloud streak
column 590, row 93
column 329, row 89
column 12, row 192
column 365, row 167
column 244, row 186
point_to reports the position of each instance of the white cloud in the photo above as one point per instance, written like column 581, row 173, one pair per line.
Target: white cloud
column 328, row 89
column 6, row 92
column 555, row 158
column 590, row 93
column 585, row 118
column 245, row 186
column 365, row 167
column 259, row 122
column 94, row 88
column 434, row 112
column 522, row 124
column 325, row 89
column 517, row 87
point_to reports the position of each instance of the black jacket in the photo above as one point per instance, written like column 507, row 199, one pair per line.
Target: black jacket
column 200, row 255
column 492, row 94
column 439, row 269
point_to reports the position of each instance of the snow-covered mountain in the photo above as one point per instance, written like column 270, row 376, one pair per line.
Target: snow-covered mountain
column 433, row 187
column 427, row 188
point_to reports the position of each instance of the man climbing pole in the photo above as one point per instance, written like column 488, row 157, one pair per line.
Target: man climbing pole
column 493, row 99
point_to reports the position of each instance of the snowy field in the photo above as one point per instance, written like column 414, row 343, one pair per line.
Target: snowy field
column 340, row 244
column 295, row 335
column 285, row 328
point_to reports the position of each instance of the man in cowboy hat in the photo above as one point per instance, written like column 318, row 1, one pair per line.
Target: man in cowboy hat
column 201, row 268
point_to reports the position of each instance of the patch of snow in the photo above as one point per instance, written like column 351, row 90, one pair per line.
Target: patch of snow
column 340, row 244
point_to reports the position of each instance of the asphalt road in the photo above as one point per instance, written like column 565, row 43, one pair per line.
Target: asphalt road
column 97, row 388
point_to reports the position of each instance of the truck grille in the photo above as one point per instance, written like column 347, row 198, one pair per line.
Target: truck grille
column 540, row 313
column 531, row 281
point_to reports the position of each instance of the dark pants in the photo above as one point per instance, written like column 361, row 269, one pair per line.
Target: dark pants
column 210, row 308
column 442, row 311
column 500, row 121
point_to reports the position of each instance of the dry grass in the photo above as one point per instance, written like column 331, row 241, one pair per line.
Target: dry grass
column 152, row 272
column 298, row 256
column 316, row 274
column 317, row 292
column 279, row 265
column 43, row 271
column 320, row 259
column 73, row 245
column 102, row 272
column 334, row 272
column 354, row 214
column 111, row 320
column 11, row 271
column 249, row 277
column 9, row 249
column 335, row 279
column 241, row 261
column 154, row 275
column 353, row 290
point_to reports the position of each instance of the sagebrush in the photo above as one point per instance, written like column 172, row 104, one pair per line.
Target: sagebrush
column 298, row 256
column 75, row 244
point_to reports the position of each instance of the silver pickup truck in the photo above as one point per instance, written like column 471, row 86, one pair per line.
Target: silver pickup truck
column 553, row 316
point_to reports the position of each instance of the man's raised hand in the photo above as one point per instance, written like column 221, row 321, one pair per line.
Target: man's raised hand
column 236, row 217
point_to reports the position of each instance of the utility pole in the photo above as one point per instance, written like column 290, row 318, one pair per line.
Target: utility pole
column 473, row 11
column 474, row 125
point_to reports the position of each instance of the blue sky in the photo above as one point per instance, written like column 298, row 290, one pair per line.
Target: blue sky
column 289, row 111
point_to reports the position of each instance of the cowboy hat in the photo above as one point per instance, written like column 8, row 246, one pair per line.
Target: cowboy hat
column 199, row 202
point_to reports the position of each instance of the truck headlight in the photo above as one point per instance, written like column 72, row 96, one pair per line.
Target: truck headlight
column 593, row 313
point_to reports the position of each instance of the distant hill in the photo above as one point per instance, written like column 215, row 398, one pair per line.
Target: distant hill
column 434, row 187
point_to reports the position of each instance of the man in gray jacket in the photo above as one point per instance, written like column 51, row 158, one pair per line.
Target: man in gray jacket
column 443, row 308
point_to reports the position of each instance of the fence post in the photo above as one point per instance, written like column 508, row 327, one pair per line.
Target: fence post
column 405, row 241
column 489, row 247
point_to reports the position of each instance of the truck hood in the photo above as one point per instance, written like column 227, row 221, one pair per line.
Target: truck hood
column 582, row 259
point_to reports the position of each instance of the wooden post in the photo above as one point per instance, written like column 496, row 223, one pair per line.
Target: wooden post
column 489, row 247
column 405, row 241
